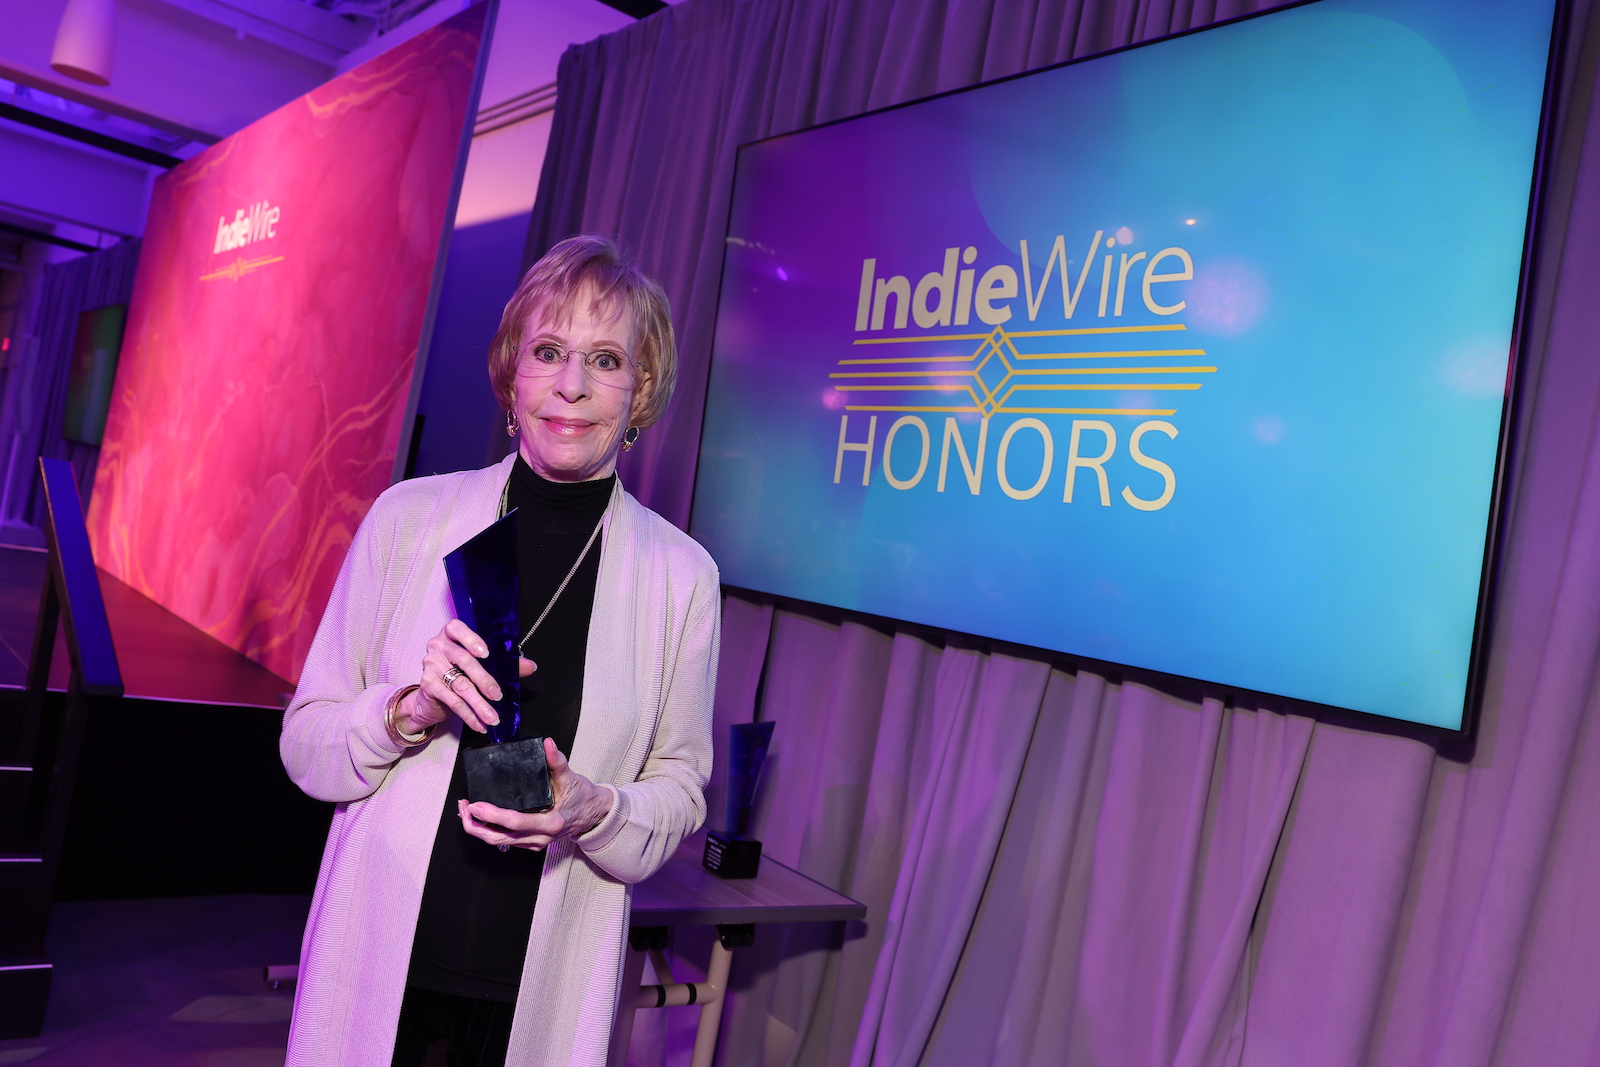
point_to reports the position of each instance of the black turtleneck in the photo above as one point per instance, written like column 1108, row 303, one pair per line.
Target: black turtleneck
column 477, row 903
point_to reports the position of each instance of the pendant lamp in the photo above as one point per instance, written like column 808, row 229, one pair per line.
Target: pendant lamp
column 86, row 41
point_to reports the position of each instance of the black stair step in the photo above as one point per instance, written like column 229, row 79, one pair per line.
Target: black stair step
column 24, row 989
column 22, row 928
column 15, row 783
column 26, row 898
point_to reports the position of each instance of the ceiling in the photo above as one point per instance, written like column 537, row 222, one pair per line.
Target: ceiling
column 77, row 161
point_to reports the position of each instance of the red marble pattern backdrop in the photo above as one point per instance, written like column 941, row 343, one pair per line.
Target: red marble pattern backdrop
column 261, row 391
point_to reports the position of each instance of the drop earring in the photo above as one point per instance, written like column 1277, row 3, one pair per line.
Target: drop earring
column 511, row 424
column 629, row 436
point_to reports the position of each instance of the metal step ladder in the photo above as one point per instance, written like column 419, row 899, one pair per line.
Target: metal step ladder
column 40, row 743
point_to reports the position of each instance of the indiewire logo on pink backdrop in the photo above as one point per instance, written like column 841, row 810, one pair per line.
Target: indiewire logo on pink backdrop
column 258, row 222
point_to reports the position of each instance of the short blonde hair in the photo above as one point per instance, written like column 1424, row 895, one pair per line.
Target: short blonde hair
column 552, row 285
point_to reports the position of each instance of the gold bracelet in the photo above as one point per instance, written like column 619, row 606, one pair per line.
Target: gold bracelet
column 401, row 739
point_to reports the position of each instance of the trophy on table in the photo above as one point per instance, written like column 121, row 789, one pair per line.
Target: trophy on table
column 501, row 770
column 733, row 853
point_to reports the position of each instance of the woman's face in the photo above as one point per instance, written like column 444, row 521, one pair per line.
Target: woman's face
column 571, row 415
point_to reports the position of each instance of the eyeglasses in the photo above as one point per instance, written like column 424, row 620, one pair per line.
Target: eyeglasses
column 604, row 366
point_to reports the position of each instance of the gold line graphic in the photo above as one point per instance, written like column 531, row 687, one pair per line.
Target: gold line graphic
column 973, row 393
column 1111, row 370
column 909, row 359
column 1000, row 399
column 992, row 389
column 969, row 410
column 903, row 388
column 240, row 267
column 1025, row 370
column 890, row 407
column 904, row 374
column 1094, row 411
column 1148, row 353
column 1106, row 387
column 1051, row 388
column 1023, row 411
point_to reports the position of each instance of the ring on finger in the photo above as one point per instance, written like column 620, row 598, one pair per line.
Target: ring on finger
column 449, row 677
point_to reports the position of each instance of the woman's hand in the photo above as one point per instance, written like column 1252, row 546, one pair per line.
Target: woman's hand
column 458, row 647
column 579, row 807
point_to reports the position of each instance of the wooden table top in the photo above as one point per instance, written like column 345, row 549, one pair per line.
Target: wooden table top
column 683, row 893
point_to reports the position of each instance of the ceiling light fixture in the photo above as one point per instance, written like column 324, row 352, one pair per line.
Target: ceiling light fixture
column 86, row 41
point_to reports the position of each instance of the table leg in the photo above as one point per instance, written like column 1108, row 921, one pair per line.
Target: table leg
column 622, row 1029
column 705, row 1037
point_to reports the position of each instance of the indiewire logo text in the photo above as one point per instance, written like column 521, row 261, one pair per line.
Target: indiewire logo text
column 258, row 222
column 991, row 298
column 1096, row 363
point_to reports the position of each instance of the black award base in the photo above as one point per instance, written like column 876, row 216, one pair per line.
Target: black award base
column 731, row 857
column 512, row 775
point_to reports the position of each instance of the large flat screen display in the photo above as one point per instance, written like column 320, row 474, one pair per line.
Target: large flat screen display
column 1191, row 357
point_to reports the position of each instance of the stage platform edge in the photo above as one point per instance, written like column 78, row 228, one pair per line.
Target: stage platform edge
column 162, row 656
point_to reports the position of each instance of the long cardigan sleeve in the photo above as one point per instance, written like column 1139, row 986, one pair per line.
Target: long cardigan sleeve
column 334, row 744
column 652, row 816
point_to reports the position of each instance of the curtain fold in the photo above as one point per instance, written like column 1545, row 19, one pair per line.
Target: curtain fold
column 982, row 805
column 1063, row 867
column 982, row 717
column 1034, row 912
column 36, row 394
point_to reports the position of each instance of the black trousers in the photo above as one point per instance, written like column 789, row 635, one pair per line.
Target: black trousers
column 478, row 1031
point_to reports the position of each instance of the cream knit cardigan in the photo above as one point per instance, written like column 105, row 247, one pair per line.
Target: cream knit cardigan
column 645, row 734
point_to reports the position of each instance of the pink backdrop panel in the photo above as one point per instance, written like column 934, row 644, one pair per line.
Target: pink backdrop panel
column 271, row 342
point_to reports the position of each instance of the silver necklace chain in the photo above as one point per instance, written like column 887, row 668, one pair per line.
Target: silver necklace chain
column 505, row 499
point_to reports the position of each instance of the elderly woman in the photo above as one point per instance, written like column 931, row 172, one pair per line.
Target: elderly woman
column 497, row 931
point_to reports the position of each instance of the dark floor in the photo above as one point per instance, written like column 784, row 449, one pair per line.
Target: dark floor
column 175, row 982
column 162, row 657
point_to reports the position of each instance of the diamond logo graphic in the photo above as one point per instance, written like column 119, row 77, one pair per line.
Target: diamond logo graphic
column 999, row 377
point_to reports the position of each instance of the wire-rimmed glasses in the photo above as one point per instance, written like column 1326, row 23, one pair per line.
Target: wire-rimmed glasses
column 544, row 359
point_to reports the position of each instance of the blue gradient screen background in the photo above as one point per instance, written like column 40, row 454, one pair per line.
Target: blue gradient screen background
column 1348, row 182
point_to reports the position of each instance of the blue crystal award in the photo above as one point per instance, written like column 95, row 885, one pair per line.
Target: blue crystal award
column 501, row 770
column 733, row 853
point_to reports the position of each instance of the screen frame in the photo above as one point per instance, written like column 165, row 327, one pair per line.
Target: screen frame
column 1497, row 533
